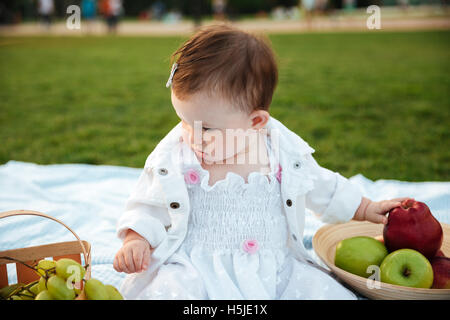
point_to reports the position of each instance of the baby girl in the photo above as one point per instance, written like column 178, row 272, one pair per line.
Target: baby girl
column 213, row 219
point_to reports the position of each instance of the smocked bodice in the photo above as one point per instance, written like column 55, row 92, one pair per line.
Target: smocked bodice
column 231, row 211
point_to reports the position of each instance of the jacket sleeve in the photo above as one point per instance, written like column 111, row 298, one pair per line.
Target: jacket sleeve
column 143, row 212
column 334, row 199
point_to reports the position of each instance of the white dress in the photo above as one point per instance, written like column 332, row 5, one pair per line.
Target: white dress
column 212, row 263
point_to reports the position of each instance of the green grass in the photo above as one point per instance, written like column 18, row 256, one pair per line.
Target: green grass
column 375, row 103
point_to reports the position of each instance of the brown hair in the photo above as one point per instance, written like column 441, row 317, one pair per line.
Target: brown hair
column 224, row 60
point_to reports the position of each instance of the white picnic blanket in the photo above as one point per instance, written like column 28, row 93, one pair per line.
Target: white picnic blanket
column 90, row 199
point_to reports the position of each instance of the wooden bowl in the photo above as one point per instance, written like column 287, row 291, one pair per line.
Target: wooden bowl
column 326, row 239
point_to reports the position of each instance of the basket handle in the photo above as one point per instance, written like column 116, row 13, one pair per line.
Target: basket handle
column 40, row 214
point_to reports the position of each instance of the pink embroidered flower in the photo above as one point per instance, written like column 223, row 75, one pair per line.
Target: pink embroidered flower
column 250, row 246
column 191, row 177
column 279, row 174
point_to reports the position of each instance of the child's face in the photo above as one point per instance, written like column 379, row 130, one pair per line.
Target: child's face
column 205, row 120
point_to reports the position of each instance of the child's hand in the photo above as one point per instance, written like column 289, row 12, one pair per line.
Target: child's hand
column 133, row 257
column 375, row 211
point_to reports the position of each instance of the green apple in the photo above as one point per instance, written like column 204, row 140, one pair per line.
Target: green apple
column 356, row 254
column 407, row 267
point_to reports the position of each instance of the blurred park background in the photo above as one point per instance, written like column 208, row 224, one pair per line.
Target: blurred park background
column 374, row 102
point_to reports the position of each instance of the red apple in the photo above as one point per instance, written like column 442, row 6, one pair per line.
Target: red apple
column 441, row 272
column 440, row 254
column 411, row 225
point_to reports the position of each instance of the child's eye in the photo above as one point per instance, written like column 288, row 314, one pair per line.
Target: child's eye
column 205, row 128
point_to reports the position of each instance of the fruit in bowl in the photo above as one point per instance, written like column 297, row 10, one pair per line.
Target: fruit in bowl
column 411, row 225
column 328, row 236
column 441, row 271
column 414, row 252
column 356, row 254
column 407, row 267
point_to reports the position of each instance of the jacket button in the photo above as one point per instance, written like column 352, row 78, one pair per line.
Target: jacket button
column 294, row 237
column 297, row 165
column 289, row 202
column 174, row 205
column 162, row 171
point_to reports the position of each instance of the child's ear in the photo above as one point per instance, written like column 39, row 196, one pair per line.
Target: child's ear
column 259, row 118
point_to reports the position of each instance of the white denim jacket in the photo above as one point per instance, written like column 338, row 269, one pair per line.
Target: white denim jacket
column 158, row 207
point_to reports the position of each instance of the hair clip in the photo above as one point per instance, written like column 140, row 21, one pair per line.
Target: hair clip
column 174, row 68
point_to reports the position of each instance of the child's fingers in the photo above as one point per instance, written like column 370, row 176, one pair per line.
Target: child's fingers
column 137, row 259
column 129, row 261
column 378, row 215
column 387, row 205
column 377, row 218
column 115, row 263
column 146, row 259
column 121, row 263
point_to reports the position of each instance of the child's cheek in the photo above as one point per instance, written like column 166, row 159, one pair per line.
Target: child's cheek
column 219, row 149
column 211, row 148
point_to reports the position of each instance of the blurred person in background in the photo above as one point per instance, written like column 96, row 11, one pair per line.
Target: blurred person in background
column 349, row 5
column 308, row 7
column 320, row 6
column 105, row 9
column 89, row 12
column 197, row 11
column 404, row 4
column 219, row 9
column 45, row 11
column 158, row 9
column 111, row 10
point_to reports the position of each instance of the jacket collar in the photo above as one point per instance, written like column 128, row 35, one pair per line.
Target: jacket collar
column 167, row 152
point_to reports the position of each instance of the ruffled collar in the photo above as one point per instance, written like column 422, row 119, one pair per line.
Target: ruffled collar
column 196, row 175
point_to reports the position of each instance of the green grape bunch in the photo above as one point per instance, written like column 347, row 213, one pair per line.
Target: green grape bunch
column 58, row 280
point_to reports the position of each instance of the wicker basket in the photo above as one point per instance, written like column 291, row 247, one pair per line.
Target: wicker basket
column 324, row 244
column 31, row 255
